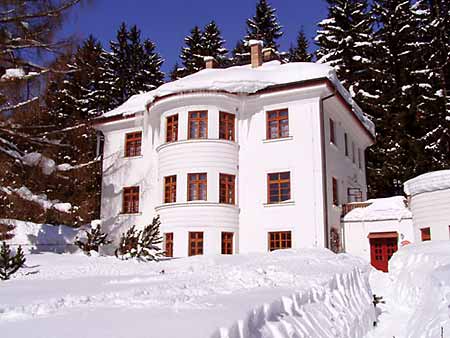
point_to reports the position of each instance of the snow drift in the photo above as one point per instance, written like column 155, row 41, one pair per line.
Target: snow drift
column 421, row 275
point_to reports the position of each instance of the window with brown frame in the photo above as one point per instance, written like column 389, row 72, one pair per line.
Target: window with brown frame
column 346, row 144
column 226, row 126
column 279, row 240
column 335, row 191
column 198, row 124
column 227, row 243
column 133, row 143
column 277, row 124
column 227, row 184
column 425, row 234
column 195, row 243
column 332, row 132
column 169, row 244
column 278, row 187
column 170, row 189
column 130, row 200
column 172, row 128
column 197, row 185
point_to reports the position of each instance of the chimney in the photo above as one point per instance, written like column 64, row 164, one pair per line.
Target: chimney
column 269, row 54
column 210, row 62
column 256, row 52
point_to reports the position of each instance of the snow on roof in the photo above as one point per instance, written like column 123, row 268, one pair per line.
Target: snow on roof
column 435, row 180
column 380, row 209
column 242, row 80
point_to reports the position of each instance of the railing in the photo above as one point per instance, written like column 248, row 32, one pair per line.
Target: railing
column 347, row 207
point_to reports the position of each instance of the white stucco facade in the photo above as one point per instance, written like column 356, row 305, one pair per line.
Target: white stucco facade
column 306, row 153
column 429, row 200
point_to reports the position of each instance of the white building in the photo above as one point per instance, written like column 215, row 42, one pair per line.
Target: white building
column 244, row 159
column 375, row 229
column 429, row 196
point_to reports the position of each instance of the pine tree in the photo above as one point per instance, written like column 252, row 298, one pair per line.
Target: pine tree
column 95, row 238
column 300, row 53
column 344, row 41
column 10, row 263
column 240, row 54
column 264, row 26
column 192, row 53
column 133, row 65
column 213, row 43
column 398, row 154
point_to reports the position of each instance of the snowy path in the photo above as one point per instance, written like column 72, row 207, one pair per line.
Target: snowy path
column 310, row 291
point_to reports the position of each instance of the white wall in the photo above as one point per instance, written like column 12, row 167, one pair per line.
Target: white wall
column 432, row 209
column 356, row 234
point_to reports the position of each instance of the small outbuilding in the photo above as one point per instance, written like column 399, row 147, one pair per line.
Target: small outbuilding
column 429, row 201
column 375, row 229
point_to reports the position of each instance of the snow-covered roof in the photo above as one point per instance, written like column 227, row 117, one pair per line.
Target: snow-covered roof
column 380, row 209
column 242, row 80
column 435, row 180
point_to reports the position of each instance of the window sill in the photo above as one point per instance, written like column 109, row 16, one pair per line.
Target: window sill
column 132, row 157
column 130, row 214
column 270, row 140
column 285, row 203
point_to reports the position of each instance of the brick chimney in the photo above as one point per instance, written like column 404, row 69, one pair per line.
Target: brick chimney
column 210, row 62
column 256, row 53
column 269, row 54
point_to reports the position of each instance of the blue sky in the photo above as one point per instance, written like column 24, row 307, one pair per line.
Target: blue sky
column 167, row 22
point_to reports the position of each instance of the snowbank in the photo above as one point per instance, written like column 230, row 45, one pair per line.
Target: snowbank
column 421, row 276
column 391, row 208
column 290, row 293
column 41, row 199
column 436, row 180
column 41, row 237
column 243, row 80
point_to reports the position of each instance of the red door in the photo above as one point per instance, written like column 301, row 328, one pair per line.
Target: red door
column 382, row 247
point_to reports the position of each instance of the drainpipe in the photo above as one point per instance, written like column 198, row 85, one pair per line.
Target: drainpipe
column 324, row 170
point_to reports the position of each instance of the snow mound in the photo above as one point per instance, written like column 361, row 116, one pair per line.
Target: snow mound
column 35, row 237
column 41, row 199
column 421, row 275
column 380, row 209
column 13, row 73
column 436, row 180
column 242, row 80
column 287, row 293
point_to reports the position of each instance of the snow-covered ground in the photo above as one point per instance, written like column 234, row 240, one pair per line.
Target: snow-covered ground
column 416, row 292
column 287, row 293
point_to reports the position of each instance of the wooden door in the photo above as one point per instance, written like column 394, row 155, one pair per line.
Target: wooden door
column 382, row 247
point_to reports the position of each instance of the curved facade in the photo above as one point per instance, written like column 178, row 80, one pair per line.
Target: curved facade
column 232, row 173
column 429, row 196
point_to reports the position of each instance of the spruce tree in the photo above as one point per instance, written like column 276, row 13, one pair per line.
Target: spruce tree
column 10, row 263
column 344, row 41
column 240, row 54
column 264, row 26
column 192, row 53
column 213, row 43
column 300, row 53
column 398, row 154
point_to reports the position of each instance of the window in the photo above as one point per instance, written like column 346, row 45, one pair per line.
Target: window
column 227, row 188
column 130, row 200
column 359, row 159
column 198, row 124
column 346, row 144
column 195, row 243
column 133, row 144
column 172, row 128
column 426, row 235
column 197, row 187
column 227, row 243
column 335, row 192
column 332, row 132
column 353, row 152
column 280, row 240
column 226, row 126
column 278, row 187
column 169, row 244
column 170, row 189
column 277, row 124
